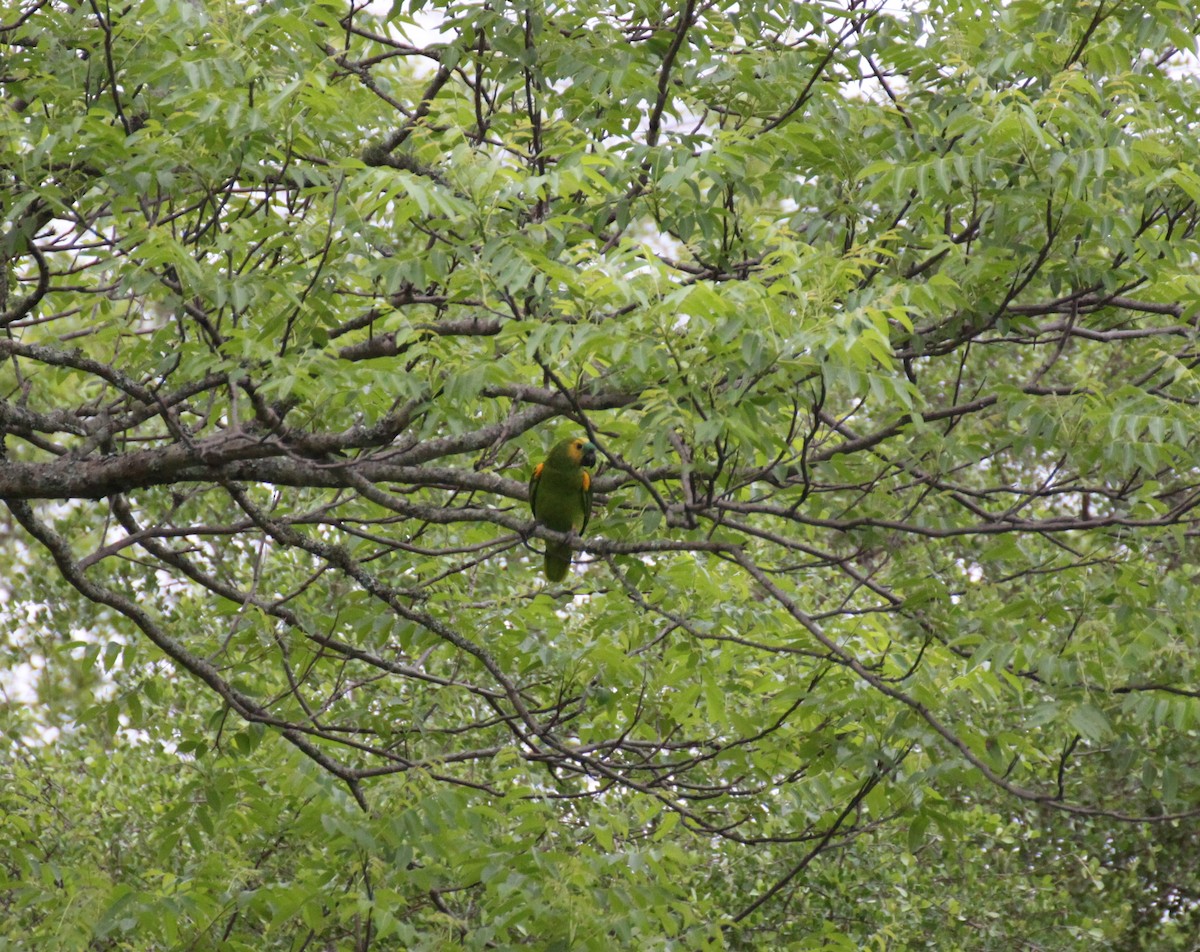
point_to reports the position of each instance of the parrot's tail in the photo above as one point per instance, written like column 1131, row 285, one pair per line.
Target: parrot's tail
column 558, row 560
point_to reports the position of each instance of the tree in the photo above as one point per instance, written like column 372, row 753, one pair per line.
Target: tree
column 884, row 324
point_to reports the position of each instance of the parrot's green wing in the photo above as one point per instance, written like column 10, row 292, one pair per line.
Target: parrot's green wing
column 535, row 480
column 585, row 495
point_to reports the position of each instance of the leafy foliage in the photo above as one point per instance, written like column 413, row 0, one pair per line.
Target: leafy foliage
column 884, row 323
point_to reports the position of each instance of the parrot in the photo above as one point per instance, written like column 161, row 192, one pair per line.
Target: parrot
column 560, row 495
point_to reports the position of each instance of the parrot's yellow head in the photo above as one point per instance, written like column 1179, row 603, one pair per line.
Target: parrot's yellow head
column 582, row 452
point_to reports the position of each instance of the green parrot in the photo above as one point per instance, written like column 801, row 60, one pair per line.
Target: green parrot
column 560, row 495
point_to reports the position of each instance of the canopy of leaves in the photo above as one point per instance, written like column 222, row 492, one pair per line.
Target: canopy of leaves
column 883, row 319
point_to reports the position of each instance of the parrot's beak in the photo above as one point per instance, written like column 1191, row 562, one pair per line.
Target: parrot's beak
column 589, row 454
